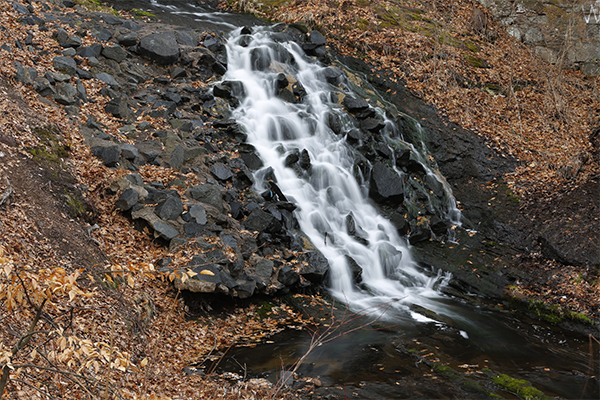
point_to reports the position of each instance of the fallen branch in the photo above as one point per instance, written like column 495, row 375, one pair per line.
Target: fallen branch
column 6, row 193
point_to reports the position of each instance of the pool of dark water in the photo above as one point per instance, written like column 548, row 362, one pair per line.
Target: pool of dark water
column 383, row 360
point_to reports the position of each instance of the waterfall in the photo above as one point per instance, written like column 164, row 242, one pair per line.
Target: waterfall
column 331, row 194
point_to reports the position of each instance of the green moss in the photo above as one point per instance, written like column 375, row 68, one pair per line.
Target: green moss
column 96, row 5
column 143, row 13
column 264, row 310
column 76, row 206
column 362, row 3
column 470, row 46
column 476, row 62
column 520, row 387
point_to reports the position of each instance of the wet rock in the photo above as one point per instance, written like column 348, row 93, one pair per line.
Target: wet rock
column 355, row 269
column 373, row 125
column 213, row 43
column 160, row 47
column 418, row 234
column 400, row 222
column 386, row 186
column 127, row 199
column 259, row 59
column 221, row 172
column 170, row 208
column 251, row 159
column 354, row 105
column 64, row 64
column 356, row 231
column 222, row 91
column 335, row 123
column 261, row 221
column 438, row 226
column 389, row 257
column 287, row 276
column 332, row 74
column 304, row 161
column 313, row 266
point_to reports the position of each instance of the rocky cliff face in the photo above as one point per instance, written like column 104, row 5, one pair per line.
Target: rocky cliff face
column 565, row 33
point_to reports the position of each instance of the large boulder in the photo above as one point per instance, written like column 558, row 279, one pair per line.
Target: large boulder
column 160, row 47
column 209, row 194
column 314, row 266
column 386, row 187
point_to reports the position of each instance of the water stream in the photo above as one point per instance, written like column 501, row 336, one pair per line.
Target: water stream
column 335, row 212
column 328, row 193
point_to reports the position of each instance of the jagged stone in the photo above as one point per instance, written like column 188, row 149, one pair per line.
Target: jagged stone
column 386, row 186
column 209, row 194
column 170, row 208
column 287, row 276
column 65, row 64
column 313, row 266
column 221, row 172
column 165, row 230
column 127, row 199
column 160, row 47
column 261, row 221
column 115, row 52
column 108, row 152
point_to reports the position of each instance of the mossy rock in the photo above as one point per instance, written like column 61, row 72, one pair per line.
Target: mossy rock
column 142, row 13
column 520, row 387
column 476, row 61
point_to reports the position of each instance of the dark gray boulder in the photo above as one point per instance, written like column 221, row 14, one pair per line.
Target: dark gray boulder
column 221, row 172
column 170, row 208
column 260, row 221
column 209, row 194
column 128, row 39
column 386, row 186
column 198, row 214
column 313, row 266
column 108, row 79
column 64, row 64
column 108, row 152
column 160, row 47
column 165, row 230
column 115, row 52
column 354, row 105
column 127, row 199
column 187, row 37
column 287, row 276
column 264, row 268
column 129, row 151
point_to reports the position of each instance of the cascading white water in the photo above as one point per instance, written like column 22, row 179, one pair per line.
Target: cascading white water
column 328, row 193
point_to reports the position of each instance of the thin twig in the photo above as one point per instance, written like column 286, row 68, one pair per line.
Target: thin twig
column 6, row 193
